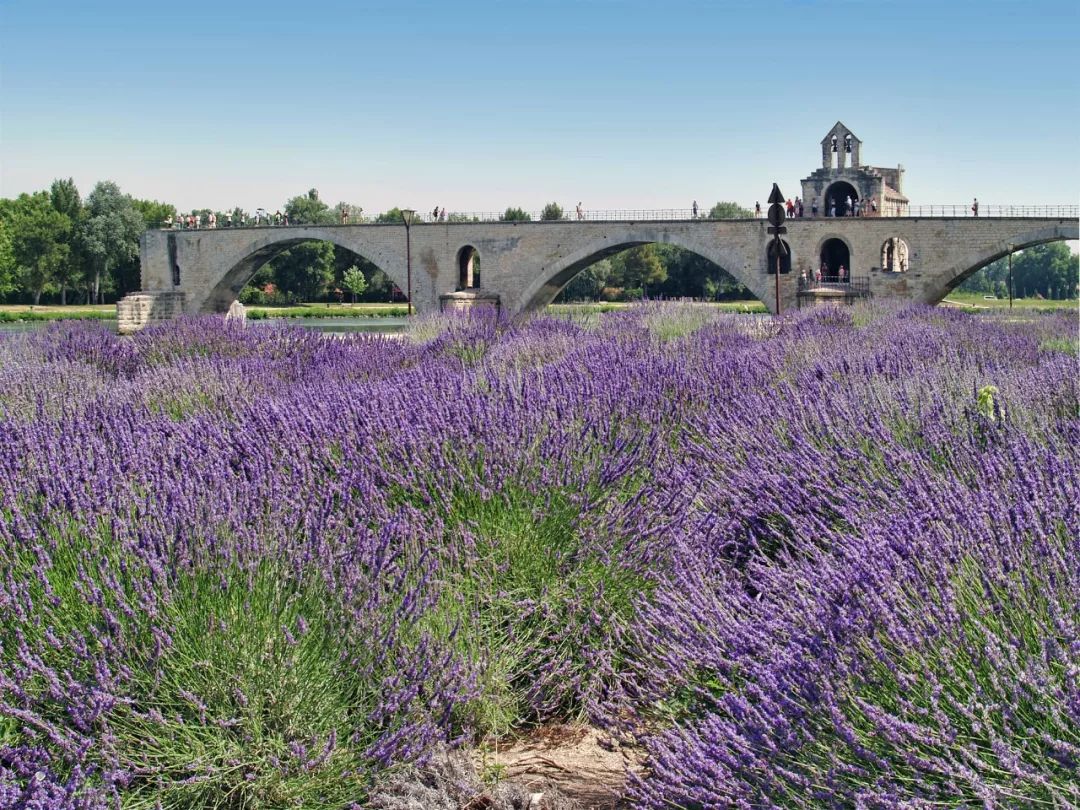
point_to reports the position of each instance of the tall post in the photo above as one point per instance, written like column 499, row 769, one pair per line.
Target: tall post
column 1010, row 277
column 407, row 216
column 776, row 218
column 776, row 242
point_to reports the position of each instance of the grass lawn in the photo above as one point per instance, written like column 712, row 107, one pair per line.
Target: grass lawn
column 969, row 300
column 25, row 312
column 315, row 310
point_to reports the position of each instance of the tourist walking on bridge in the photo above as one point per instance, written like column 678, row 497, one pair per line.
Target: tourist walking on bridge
column 580, row 214
column 693, row 209
column 975, row 206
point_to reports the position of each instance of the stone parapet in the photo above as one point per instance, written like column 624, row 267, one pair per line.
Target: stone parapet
column 137, row 310
column 469, row 301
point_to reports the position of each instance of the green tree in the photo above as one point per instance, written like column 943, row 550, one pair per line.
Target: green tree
column 729, row 210
column 306, row 270
column 40, row 241
column 65, row 198
column 8, row 266
column 552, row 211
column 588, row 284
column 109, row 233
column 308, row 209
column 391, row 217
column 355, row 281
column 154, row 213
column 515, row 215
column 638, row 268
column 1047, row 270
column 690, row 275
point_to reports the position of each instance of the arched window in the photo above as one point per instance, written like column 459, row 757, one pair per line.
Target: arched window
column 835, row 261
column 468, row 268
column 894, row 255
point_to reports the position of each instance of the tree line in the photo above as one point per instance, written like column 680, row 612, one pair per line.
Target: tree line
column 1043, row 271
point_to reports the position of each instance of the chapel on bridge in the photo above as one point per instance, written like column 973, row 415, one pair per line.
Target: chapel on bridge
column 871, row 190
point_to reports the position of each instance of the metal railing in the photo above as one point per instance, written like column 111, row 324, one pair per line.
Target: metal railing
column 857, row 285
column 687, row 214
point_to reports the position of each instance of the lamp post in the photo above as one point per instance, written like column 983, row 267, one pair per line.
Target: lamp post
column 1010, row 276
column 407, row 216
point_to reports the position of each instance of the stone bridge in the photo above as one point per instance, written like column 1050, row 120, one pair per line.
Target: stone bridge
column 526, row 264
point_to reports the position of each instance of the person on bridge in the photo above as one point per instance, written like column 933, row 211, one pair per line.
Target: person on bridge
column 693, row 209
column 344, row 214
column 580, row 213
column 757, row 210
column 442, row 214
column 843, row 277
column 975, row 206
column 813, row 209
column 790, row 209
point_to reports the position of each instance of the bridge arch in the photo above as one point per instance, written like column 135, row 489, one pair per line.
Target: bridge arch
column 269, row 244
column 550, row 281
column 975, row 260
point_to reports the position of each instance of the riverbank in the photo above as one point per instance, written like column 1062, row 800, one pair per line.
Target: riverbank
column 16, row 313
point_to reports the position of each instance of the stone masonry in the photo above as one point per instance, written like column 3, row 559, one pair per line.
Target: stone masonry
column 525, row 264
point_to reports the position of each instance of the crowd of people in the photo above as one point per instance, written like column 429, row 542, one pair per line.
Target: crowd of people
column 240, row 219
column 836, row 207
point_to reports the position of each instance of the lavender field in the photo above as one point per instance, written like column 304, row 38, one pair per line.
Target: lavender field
column 831, row 561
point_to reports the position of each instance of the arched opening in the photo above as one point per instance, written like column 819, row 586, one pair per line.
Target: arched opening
column 654, row 270
column 835, row 261
column 841, row 199
column 785, row 258
column 894, row 255
column 294, row 272
column 468, row 261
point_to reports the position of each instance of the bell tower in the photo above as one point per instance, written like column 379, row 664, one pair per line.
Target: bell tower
column 844, row 186
column 840, row 148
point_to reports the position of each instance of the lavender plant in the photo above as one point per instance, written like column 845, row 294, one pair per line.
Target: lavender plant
column 825, row 561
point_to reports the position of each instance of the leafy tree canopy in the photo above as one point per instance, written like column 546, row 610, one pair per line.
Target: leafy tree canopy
column 729, row 210
column 552, row 211
column 515, row 215
column 305, row 271
column 308, row 209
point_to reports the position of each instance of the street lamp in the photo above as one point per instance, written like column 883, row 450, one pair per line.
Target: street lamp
column 407, row 216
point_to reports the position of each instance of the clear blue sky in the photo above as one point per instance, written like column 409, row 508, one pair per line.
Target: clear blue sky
column 480, row 105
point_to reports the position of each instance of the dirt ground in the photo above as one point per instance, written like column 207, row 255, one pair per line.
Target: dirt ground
column 584, row 764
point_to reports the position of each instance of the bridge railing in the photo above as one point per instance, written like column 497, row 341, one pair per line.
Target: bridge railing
column 687, row 214
column 857, row 285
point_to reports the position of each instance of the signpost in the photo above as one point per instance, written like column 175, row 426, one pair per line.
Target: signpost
column 776, row 220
